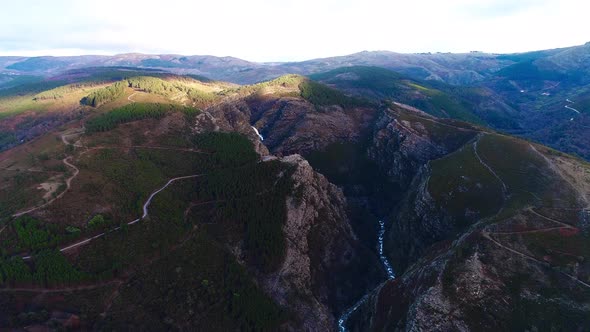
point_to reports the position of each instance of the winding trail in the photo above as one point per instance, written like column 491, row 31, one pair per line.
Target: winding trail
column 487, row 235
column 149, row 201
column 505, row 192
column 68, row 185
column 68, row 180
column 572, row 109
column 562, row 225
column 131, row 95
column 66, row 162
column 390, row 276
column 145, row 215
column 504, row 186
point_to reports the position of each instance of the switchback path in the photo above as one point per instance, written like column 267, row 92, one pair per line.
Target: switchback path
column 68, row 185
column 131, row 95
column 77, row 171
column 145, row 215
column 562, row 225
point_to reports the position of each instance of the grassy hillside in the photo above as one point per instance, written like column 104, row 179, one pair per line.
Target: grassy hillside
column 187, row 232
column 31, row 109
column 380, row 83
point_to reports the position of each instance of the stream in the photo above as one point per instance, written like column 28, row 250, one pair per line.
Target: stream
column 390, row 275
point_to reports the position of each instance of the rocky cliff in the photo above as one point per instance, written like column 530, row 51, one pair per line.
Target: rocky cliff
column 519, row 262
column 317, row 275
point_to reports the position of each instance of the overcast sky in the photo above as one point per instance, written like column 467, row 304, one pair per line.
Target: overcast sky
column 283, row 30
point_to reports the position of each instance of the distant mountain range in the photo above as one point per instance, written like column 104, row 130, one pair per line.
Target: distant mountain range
column 447, row 67
column 524, row 94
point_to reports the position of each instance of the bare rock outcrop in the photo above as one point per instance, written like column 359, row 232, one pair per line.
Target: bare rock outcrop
column 321, row 253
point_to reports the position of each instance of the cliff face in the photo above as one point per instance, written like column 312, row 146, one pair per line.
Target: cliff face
column 229, row 117
column 319, row 274
column 404, row 142
column 417, row 224
column 487, row 229
column 404, row 139
column 478, row 285
column 294, row 125
column 322, row 253
column 520, row 264
column 326, row 268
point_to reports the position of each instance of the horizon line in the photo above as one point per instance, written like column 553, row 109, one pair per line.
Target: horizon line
column 115, row 54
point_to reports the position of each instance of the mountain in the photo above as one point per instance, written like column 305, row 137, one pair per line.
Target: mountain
column 357, row 198
column 451, row 68
column 523, row 94
column 497, row 229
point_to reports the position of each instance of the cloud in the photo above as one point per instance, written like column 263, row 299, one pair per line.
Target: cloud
column 264, row 30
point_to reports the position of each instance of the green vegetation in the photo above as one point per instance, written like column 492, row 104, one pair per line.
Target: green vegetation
column 133, row 112
column 7, row 139
column 229, row 149
column 105, row 95
column 229, row 209
column 566, row 249
column 255, row 207
column 287, row 82
column 20, row 193
column 525, row 172
column 464, row 187
column 97, row 222
column 60, row 92
column 321, row 95
column 52, row 268
column 438, row 99
column 198, row 284
column 14, row 270
column 528, row 70
column 442, row 132
column 129, row 178
column 173, row 88
column 371, row 82
column 32, row 235
column 10, row 81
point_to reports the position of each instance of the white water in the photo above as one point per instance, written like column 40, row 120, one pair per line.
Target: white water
column 390, row 276
column 257, row 133
column 384, row 260
column 572, row 109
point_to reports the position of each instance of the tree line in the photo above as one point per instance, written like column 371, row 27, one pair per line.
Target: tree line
column 133, row 112
column 105, row 95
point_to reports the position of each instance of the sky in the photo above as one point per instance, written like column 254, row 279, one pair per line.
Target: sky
column 288, row 30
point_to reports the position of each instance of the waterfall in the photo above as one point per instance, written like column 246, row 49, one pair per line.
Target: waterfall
column 257, row 133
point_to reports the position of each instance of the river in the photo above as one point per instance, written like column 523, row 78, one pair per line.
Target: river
column 388, row 269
